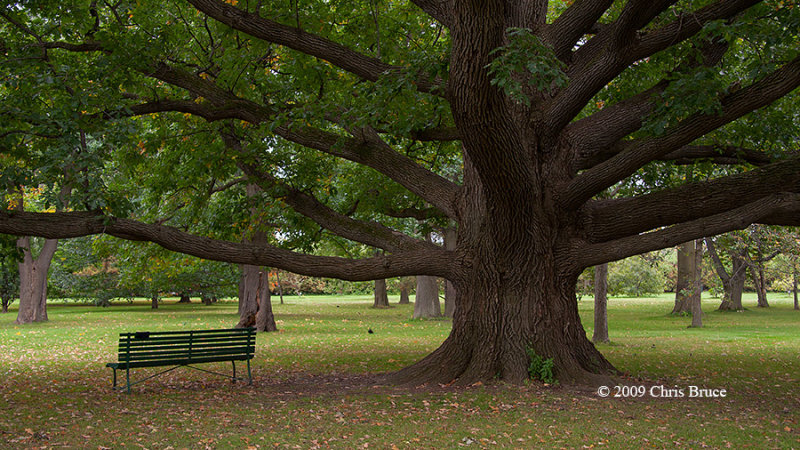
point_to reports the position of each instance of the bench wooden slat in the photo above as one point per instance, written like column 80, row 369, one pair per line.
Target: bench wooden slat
column 199, row 353
column 183, row 348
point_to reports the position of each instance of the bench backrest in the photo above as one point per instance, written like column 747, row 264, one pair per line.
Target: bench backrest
column 186, row 345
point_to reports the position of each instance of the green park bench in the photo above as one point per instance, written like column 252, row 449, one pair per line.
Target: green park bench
column 183, row 348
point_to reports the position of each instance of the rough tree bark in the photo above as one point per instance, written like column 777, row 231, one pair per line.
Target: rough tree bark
column 426, row 301
column 600, row 333
column 381, row 296
column 684, row 288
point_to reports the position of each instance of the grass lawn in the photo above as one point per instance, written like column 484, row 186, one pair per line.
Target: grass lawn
column 313, row 386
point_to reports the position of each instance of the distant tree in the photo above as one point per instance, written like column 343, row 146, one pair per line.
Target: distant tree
column 732, row 280
column 600, row 333
column 381, row 296
column 9, row 272
column 426, row 300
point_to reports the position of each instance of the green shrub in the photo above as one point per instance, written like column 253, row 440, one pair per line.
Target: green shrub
column 540, row 368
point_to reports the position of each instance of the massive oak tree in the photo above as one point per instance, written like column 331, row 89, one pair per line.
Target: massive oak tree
column 545, row 104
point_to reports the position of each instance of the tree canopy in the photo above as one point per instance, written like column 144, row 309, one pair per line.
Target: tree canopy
column 357, row 119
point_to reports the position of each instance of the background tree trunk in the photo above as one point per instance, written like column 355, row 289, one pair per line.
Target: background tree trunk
column 426, row 301
column 733, row 283
column 248, row 296
column 600, row 288
column 684, row 287
column 757, row 274
column 404, row 300
column 280, row 285
column 265, row 319
column 33, row 281
column 696, row 300
column 154, row 301
column 185, row 298
column 794, row 284
column 600, row 333
column 255, row 300
column 450, row 292
column 381, row 297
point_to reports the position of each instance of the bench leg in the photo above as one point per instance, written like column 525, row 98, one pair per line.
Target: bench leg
column 128, row 378
column 233, row 379
column 115, row 379
column 249, row 377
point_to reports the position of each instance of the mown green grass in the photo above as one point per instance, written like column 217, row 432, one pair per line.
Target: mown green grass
column 313, row 387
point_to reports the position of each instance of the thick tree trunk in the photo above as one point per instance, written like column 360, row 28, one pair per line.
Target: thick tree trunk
column 4, row 307
column 381, row 297
column 33, row 281
column 684, row 288
column 426, row 301
column 185, row 298
column 600, row 333
column 696, row 300
column 516, row 293
column 404, row 300
column 154, row 301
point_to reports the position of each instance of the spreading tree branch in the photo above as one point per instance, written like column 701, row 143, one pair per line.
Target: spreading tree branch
column 366, row 67
column 619, row 45
column 618, row 218
column 638, row 153
column 431, row 261
column 736, row 219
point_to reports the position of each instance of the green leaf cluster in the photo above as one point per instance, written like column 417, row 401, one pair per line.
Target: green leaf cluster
column 540, row 368
column 525, row 62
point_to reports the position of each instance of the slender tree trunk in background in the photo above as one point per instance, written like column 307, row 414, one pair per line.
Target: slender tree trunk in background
column 280, row 286
column 265, row 319
column 738, row 278
column 757, row 274
column 600, row 333
column 404, row 300
column 426, row 302
column 684, row 287
column 794, row 285
column 33, row 281
column 154, row 301
column 185, row 298
column 450, row 292
column 696, row 300
column 381, row 297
